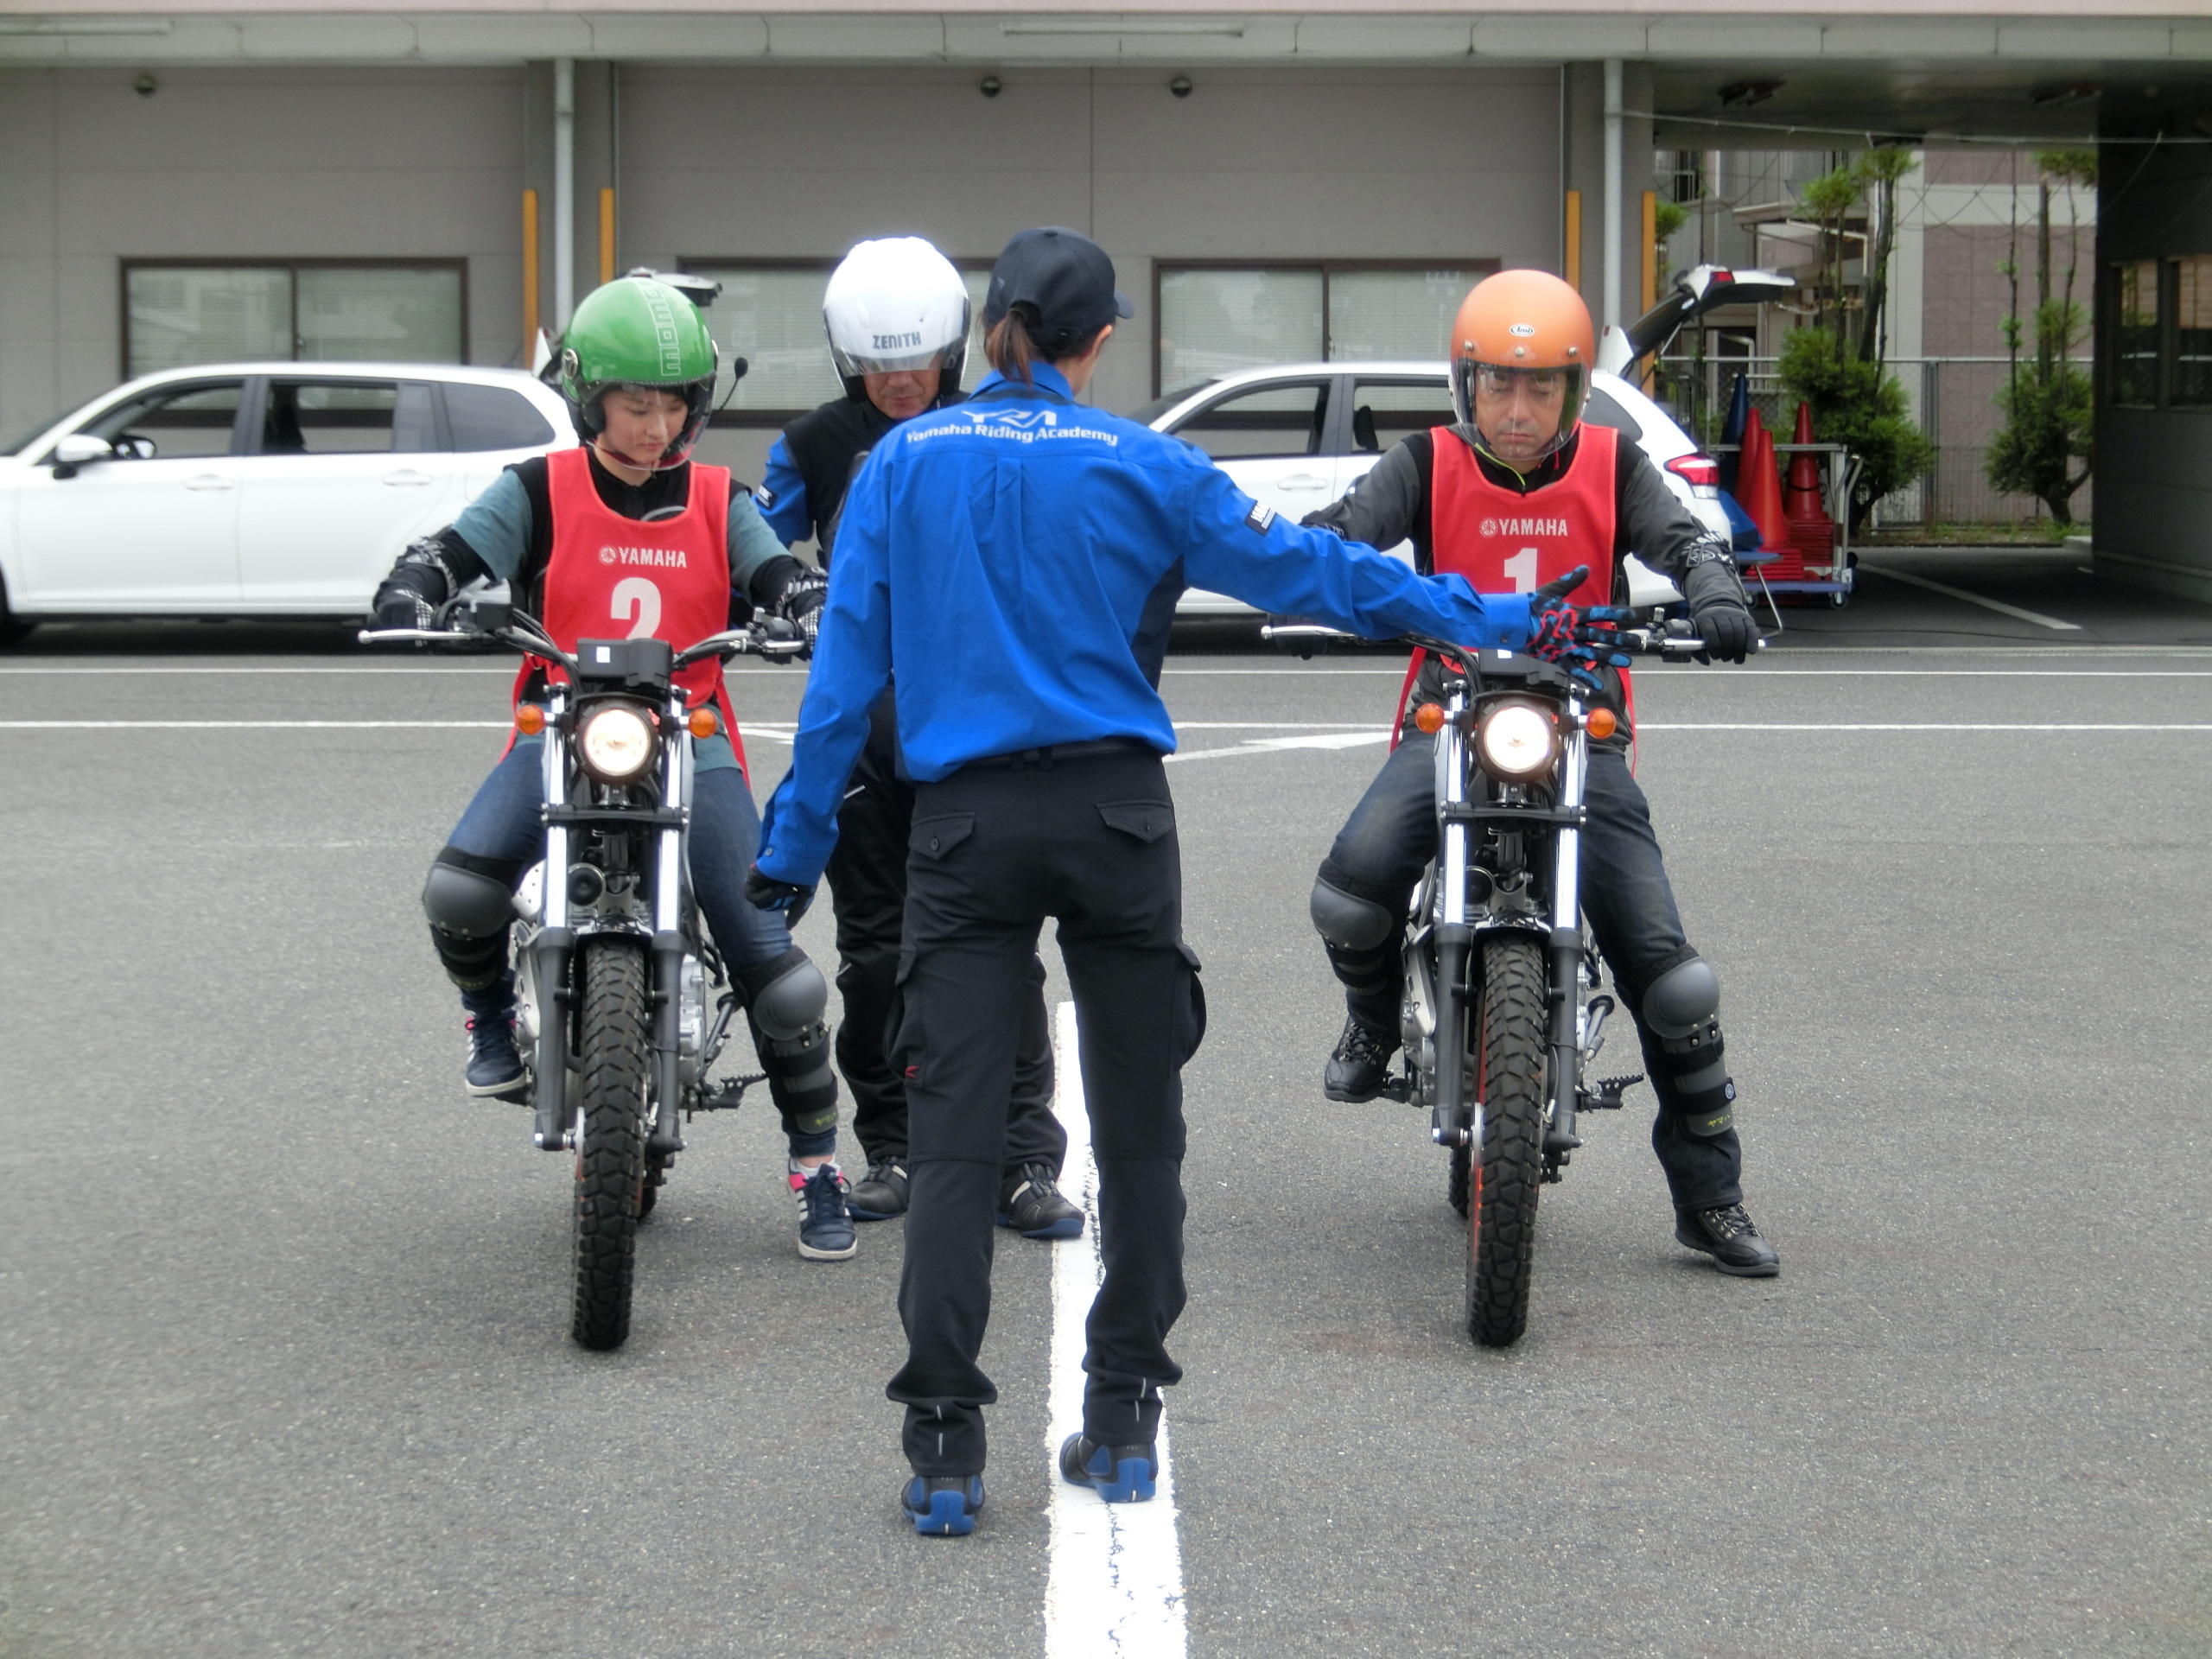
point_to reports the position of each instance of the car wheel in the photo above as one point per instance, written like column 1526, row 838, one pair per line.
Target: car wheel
column 12, row 628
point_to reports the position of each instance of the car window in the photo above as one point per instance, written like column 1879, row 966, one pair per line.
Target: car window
column 1385, row 412
column 174, row 420
column 1266, row 421
column 1606, row 410
column 492, row 417
column 347, row 417
column 1158, row 406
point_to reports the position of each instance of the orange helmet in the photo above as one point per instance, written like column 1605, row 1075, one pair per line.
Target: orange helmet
column 1516, row 322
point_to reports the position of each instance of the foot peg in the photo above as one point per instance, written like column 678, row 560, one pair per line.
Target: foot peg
column 1605, row 1097
column 726, row 1095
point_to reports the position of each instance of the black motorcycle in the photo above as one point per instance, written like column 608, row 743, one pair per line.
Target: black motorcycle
column 1501, row 1020
column 622, row 1002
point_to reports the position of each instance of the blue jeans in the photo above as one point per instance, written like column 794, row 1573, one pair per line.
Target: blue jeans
column 502, row 822
column 1391, row 835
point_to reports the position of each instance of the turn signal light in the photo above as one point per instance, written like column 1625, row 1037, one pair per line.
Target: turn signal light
column 1602, row 724
column 702, row 722
column 530, row 719
column 1429, row 718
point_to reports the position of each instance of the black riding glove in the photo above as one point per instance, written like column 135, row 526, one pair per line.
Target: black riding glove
column 801, row 601
column 1726, row 630
column 766, row 892
column 396, row 607
column 1717, row 611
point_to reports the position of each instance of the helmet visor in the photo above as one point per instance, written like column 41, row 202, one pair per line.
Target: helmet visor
column 901, row 350
column 1521, row 414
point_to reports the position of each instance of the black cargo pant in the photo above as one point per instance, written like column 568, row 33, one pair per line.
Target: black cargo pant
column 1088, row 837
column 867, row 892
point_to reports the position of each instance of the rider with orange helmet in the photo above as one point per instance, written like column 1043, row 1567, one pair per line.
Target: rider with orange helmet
column 1534, row 478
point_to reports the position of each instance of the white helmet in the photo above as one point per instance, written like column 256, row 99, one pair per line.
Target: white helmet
column 896, row 303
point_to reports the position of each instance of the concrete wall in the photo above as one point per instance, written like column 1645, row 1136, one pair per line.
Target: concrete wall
column 233, row 164
column 2154, row 465
column 1258, row 164
column 1456, row 164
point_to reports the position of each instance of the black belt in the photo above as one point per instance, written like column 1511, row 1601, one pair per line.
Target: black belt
column 1045, row 758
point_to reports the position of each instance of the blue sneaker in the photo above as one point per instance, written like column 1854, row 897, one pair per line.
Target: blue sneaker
column 1030, row 1203
column 943, row 1506
column 1119, row 1474
column 494, row 1063
column 825, row 1226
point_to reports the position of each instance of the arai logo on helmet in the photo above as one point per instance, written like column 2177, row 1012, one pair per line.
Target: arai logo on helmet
column 1521, row 330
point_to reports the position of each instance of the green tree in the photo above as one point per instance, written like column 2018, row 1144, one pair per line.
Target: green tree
column 1857, row 403
column 1837, row 367
column 2046, row 398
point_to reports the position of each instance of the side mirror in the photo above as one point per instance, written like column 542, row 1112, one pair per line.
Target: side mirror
column 80, row 448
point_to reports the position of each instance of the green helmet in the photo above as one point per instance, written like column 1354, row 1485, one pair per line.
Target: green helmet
column 637, row 332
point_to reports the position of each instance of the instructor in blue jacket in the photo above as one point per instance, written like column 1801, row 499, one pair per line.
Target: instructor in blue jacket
column 1001, row 558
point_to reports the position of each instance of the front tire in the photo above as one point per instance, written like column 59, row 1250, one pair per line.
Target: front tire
column 1508, row 1166
column 610, row 1150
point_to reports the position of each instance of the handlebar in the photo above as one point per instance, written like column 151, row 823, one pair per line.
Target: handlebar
column 1668, row 637
column 771, row 637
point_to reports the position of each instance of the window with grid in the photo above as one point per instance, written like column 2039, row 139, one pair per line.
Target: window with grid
column 175, row 314
column 2134, row 322
column 1214, row 320
column 770, row 314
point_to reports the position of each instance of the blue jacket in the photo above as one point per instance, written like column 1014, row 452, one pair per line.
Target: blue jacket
column 998, row 553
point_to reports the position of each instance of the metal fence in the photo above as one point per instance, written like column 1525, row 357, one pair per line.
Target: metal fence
column 1953, row 400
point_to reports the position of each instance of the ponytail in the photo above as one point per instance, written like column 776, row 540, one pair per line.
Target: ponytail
column 1013, row 346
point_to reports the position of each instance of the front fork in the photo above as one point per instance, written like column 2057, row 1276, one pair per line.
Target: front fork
column 554, row 948
column 1565, row 979
column 666, row 1138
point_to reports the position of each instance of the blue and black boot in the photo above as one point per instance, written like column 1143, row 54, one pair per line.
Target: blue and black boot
column 495, row 1067
column 943, row 1506
column 1119, row 1474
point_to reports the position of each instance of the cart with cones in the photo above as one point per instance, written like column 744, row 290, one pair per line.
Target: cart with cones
column 1804, row 526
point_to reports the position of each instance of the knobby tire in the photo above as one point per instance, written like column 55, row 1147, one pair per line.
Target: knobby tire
column 1508, row 1027
column 616, row 1060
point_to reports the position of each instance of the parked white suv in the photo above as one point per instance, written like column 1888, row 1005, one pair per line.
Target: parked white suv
column 253, row 489
column 1297, row 435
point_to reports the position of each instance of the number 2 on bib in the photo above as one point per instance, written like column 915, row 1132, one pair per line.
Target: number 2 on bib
column 636, row 602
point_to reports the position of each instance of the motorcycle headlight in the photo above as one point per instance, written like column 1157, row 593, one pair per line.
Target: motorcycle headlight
column 1516, row 741
column 615, row 744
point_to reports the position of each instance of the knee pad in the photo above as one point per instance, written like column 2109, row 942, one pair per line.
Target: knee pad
column 469, row 907
column 1348, row 921
column 467, row 899
column 1682, row 1011
column 785, row 1001
column 785, row 998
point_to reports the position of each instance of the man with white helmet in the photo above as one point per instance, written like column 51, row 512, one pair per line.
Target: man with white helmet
column 897, row 314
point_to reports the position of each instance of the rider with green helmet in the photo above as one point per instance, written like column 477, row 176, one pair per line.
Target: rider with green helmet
column 625, row 536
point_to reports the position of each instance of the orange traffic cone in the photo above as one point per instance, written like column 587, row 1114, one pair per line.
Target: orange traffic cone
column 1812, row 531
column 1803, row 499
column 1757, row 487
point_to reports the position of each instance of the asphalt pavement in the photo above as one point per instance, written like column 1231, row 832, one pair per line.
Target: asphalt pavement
column 282, row 1315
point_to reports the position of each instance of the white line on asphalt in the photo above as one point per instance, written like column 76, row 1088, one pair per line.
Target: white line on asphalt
column 361, row 673
column 1953, row 674
column 1907, row 725
column 252, row 725
column 2036, row 617
column 1336, row 739
column 1114, row 1585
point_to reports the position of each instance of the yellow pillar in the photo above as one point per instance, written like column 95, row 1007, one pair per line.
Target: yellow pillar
column 528, row 275
column 1574, row 271
column 607, row 233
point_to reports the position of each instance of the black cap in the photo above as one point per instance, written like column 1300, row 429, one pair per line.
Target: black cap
column 1064, row 277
